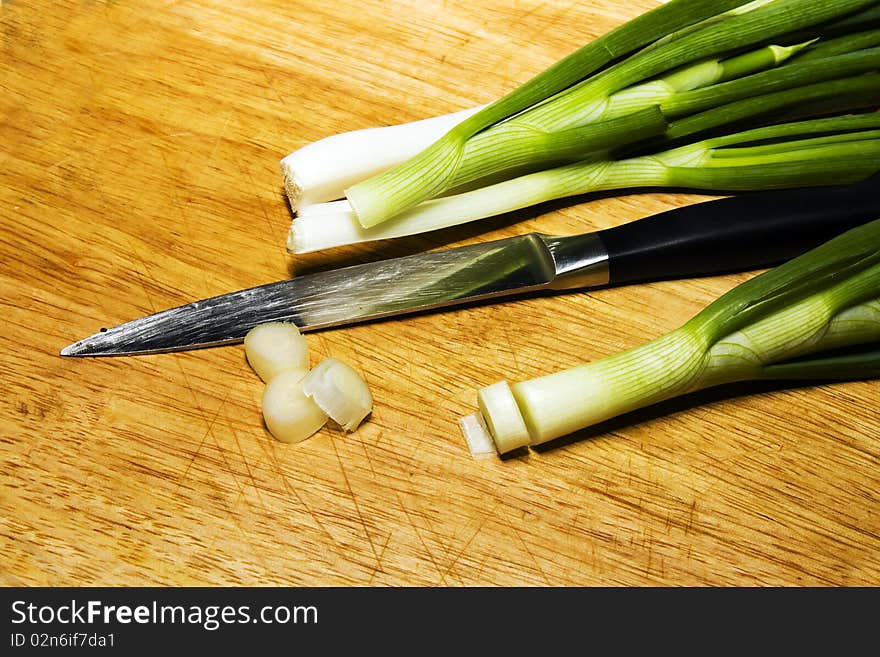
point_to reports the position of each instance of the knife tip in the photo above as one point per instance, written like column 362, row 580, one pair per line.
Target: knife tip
column 75, row 349
column 90, row 346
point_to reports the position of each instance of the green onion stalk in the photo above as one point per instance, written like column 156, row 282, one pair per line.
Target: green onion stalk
column 824, row 151
column 813, row 318
column 633, row 115
column 321, row 171
column 559, row 130
column 660, row 112
column 675, row 35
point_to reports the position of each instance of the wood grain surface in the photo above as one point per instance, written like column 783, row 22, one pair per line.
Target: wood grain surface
column 139, row 170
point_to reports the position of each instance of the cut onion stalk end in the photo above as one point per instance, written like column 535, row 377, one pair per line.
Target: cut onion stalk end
column 274, row 347
column 290, row 415
column 340, row 391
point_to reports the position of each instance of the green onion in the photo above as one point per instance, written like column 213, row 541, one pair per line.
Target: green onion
column 429, row 172
column 433, row 171
column 526, row 143
column 564, row 126
column 827, row 151
column 615, row 127
column 321, row 170
column 783, row 324
column 551, row 132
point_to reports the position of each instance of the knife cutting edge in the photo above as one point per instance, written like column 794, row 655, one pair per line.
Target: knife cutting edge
column 736, row 233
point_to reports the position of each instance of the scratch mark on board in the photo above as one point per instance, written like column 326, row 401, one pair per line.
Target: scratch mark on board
column 418, row 534
column 381, row 555
column 467, row 543
column 531, row 556
column 279, row 471
column 247, row 466
column 117, row 146
column 357, row 507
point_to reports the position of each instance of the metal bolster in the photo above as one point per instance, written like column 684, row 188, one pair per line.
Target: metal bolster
column 581, row 261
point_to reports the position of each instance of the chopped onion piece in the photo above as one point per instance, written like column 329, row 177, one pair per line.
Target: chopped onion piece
column 290, row 415
column 340, row 391
column 477, row 436
column 275, row 347
column 503, row 419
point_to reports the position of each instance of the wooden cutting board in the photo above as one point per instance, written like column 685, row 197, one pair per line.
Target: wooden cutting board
column 140, row 149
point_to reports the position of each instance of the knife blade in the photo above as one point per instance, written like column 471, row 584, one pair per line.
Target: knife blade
column 735, row 233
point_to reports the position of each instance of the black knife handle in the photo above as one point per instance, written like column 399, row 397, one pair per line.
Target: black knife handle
column 736, row 233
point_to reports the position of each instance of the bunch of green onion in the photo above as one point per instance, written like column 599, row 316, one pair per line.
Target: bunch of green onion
column 715, row 95
column 816, row 317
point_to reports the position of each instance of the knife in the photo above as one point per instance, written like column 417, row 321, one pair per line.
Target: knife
column 735, row 233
